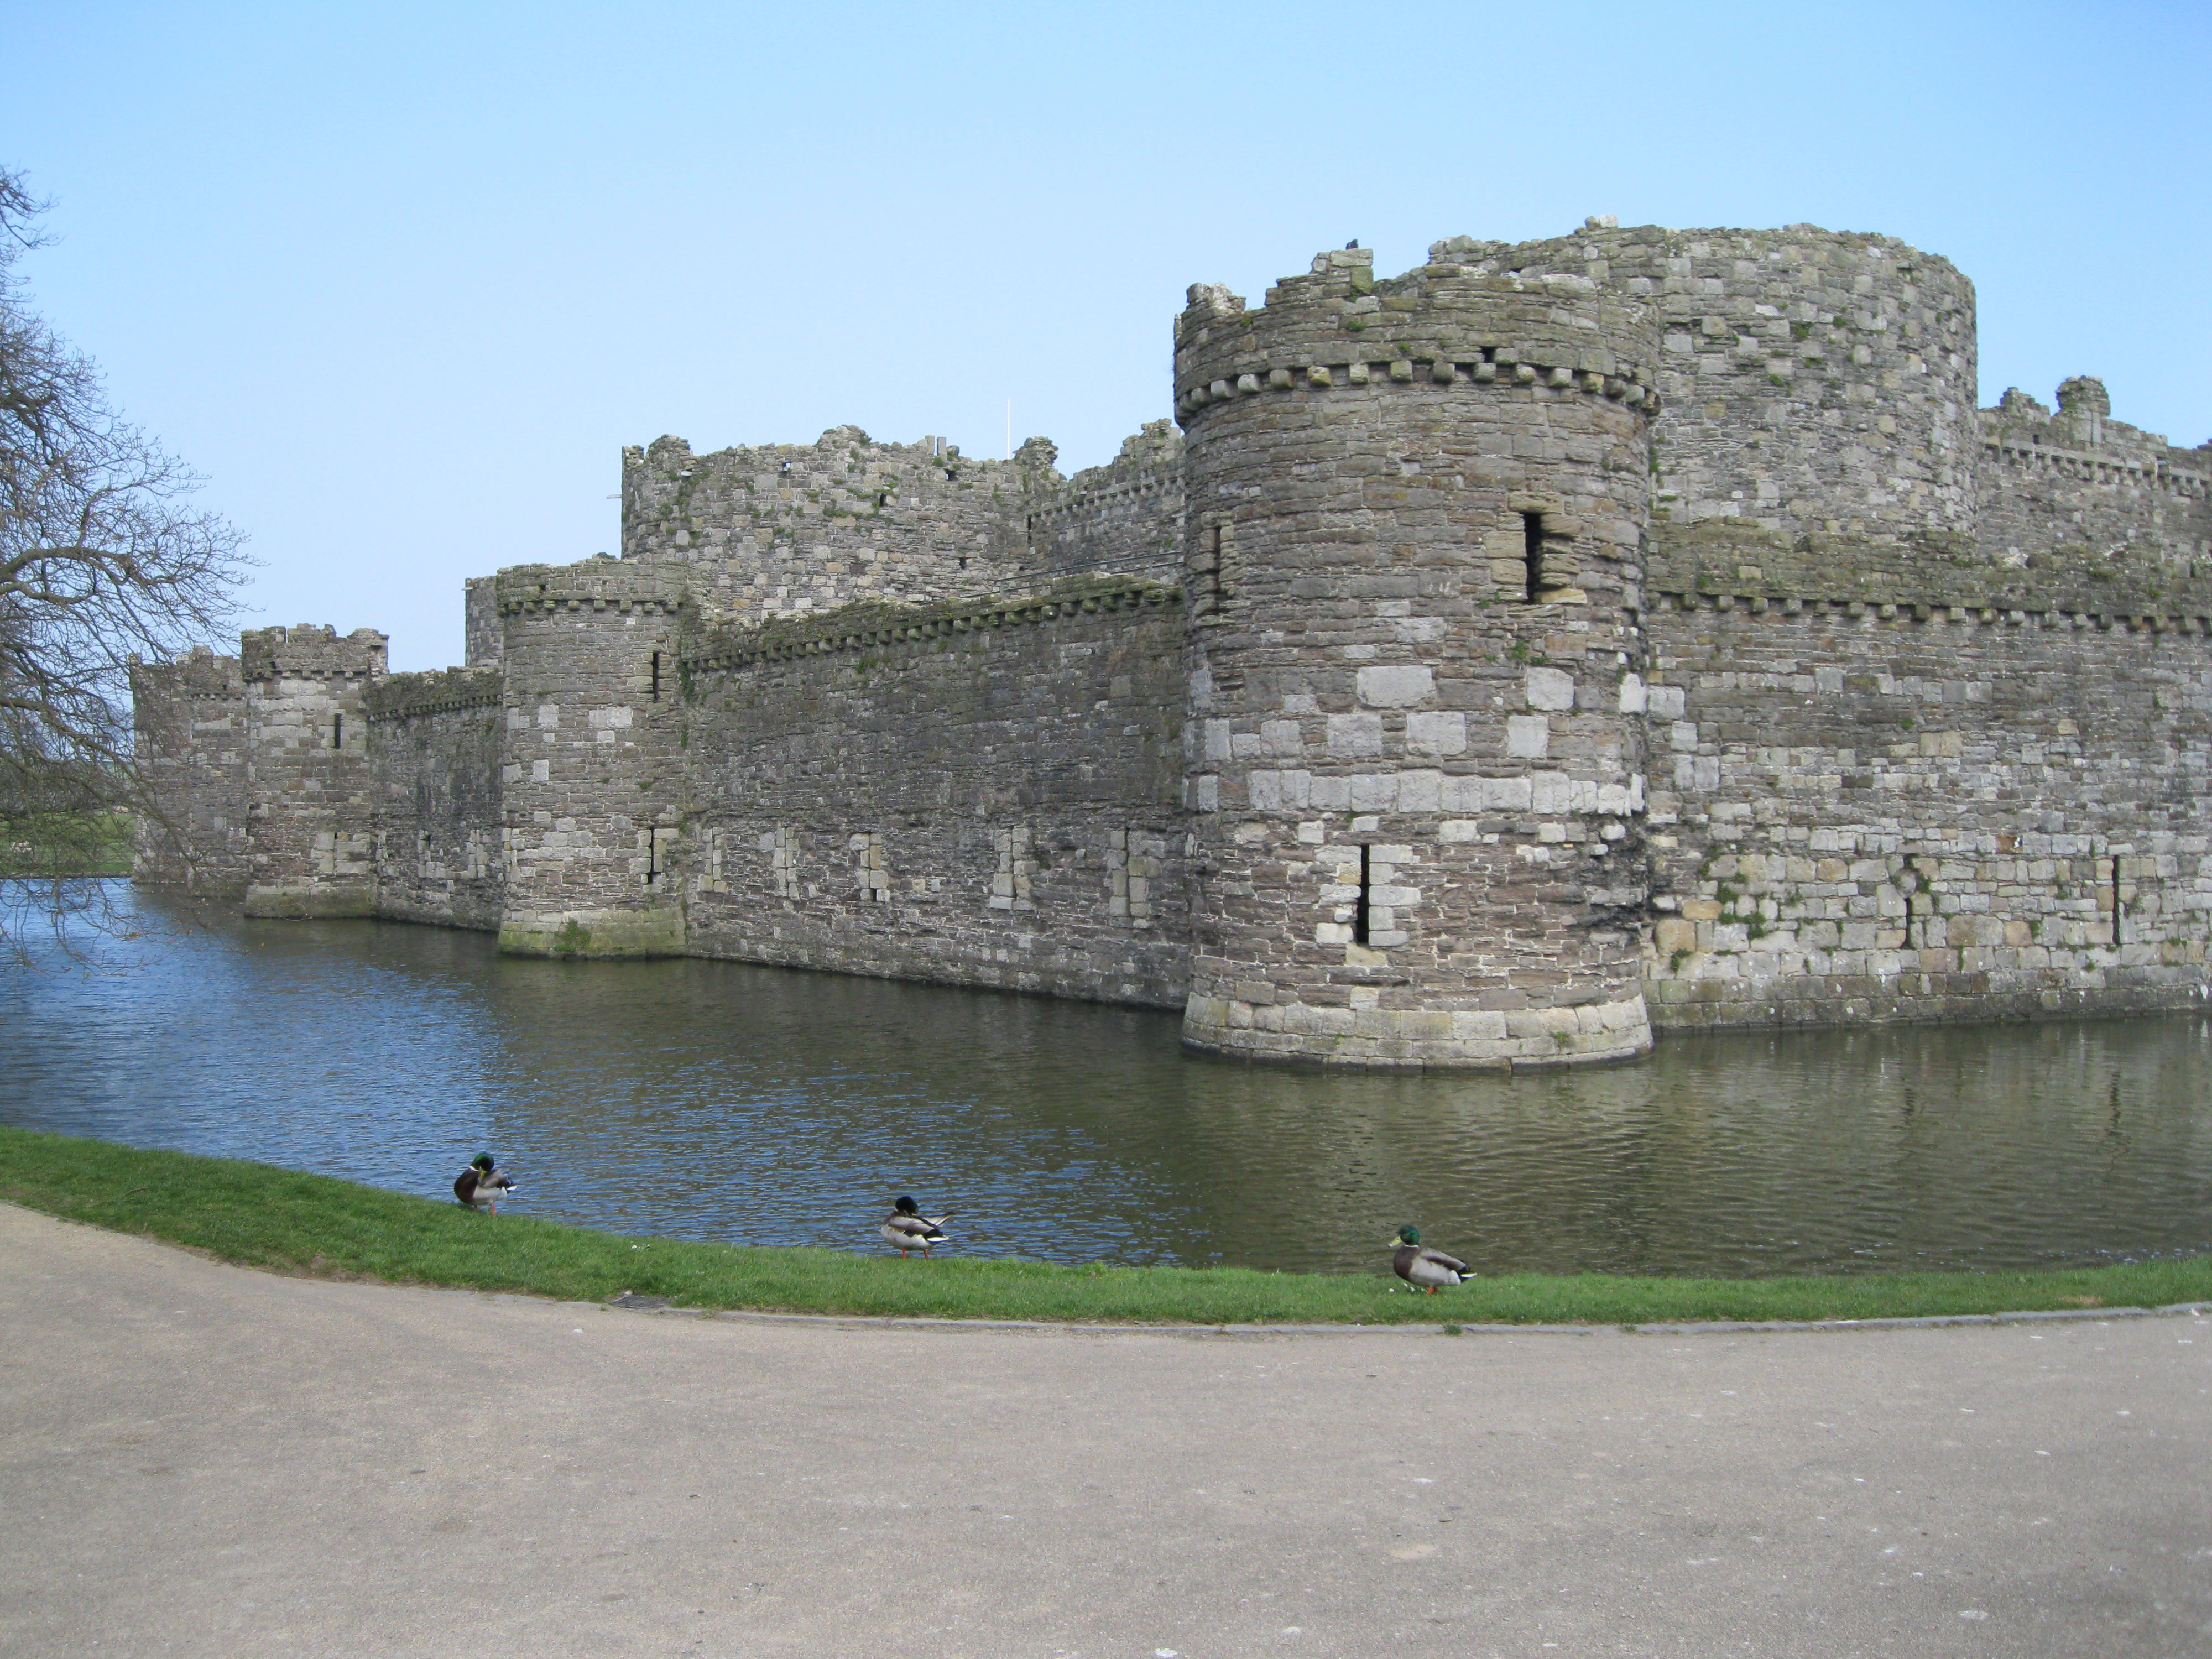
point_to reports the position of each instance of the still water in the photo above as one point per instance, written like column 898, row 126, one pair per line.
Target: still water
column 759, row 1105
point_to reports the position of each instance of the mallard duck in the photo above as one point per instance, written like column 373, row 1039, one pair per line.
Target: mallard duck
column 907, row 1229
column 1427, row 1270
column 481, row 1186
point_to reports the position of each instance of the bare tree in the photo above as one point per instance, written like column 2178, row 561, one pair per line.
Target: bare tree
column 102, row 557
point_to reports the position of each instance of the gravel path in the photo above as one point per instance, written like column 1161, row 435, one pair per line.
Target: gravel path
column 199, row 1460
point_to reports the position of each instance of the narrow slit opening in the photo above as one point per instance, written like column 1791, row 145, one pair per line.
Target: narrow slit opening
column 656, row 676
column 1532, row 552
column 652, row 856
column 2116, row 901
column 338, row 738
column 1359, row 904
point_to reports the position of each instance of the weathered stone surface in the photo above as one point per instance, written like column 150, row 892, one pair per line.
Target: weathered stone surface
column 308, row 771
column 1649, row 611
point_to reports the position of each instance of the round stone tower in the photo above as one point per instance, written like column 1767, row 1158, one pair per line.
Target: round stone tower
column 590, row 782
column 1816, row 381
column 1416, row 512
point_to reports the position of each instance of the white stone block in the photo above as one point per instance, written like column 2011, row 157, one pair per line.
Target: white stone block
column 1374, row 792
column 1552, row 688
column 1664, row 702
column 1355, row 734
column 1508, row 794
column 1442, row 731
column 1632, row 698
column 1419, row 791
column 1281, row 738
column 1550, row 791
column 1397, row 685
column 1528, row 737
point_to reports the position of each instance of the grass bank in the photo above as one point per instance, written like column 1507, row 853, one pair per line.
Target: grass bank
column 48, row 846
column 261, row 1217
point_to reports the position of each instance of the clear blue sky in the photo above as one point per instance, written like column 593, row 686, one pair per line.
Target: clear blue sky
column 402, row 279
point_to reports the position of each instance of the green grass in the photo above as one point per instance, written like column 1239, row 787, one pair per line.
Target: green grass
column 261, row 1217
column 47, row 845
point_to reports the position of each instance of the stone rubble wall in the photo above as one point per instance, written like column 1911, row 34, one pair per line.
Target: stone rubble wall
column 189, row 717
column 1122, row 518
column 1813, row 380
column 309, row 796
column 1883, row 812
column 782, row 530
column 480, row 615
column 969, row 794
column 435, row 753
column 2080, row 491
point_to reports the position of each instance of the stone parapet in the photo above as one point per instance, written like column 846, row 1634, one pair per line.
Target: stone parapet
column 1441, row 325
column 1742, row 563
column 406, row 697
column 867, row 626
column 311, row 652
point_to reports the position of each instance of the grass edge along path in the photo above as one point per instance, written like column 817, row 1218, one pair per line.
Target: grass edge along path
column 258, row 1216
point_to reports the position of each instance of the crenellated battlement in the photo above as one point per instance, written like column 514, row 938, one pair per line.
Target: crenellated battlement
column 597, row 584
column 866, row 627
column 437, row 692
column 1440, row 324
column 309, row 651
column 2077, row 492
column 1487, row 666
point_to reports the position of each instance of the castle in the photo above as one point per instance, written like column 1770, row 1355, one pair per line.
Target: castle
column 1491, row 665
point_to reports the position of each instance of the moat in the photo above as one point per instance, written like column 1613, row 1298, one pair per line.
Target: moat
column 771, row 1106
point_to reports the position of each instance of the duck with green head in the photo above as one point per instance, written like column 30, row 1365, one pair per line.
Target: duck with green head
column 907, row 1229
column 481, row 1186
column 1425, row 1269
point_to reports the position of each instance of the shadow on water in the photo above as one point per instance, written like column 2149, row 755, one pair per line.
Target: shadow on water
column 758, row 1105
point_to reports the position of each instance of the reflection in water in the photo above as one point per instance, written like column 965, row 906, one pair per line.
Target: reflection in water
column 766, row 1106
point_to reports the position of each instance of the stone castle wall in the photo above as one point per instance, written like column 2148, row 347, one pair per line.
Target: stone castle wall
column 980, row 795
column 190, row 721
column 1870, row 812
column 308, row 770
column 786, row 529
column 591, row 779
column 436, row 750
column 1812, row 381
column 2078, row 492
column 1637, row 630
column 1123, row 518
